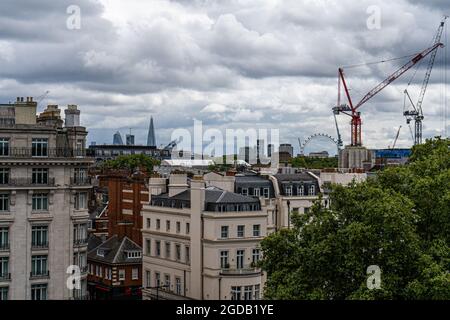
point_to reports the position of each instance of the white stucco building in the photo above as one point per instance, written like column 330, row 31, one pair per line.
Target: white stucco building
column 43, row 201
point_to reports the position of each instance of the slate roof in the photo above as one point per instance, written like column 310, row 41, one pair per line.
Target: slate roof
column 116, row 251
column 93, row 242
column 212, row 195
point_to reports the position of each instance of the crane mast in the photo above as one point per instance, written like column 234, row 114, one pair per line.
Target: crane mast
column 351, row 110
column 417, row 113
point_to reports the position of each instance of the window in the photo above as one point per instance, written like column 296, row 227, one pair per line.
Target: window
column 167, row 225
column 256, row 230
column 240, row 231
column 301, row 190
column 148, row 247
column 188, row 254
column 257, row 291
column 40, row 202
column 4, row 146
column 168, row 250
column 79, row 175
column 158, row 248
column 240, row 259
column 188, row 228
column 101, row 272
column 121, row 274
column 178, row 286
column 39, row 236
column 158, row 224
column 134, row 274
column 312, row 190
column 39, row 147
column 257, row 192
column 245, row 191
column 235, row 293
column 224, row 232
column 148, row 279
column 3, row 293
column 80, row 200
column 134, row 254
column 157, row 279
column 39, row 265
column 4, row 175
column 248, row 292
column 167, row 281
column 288, row 191
column 178, row 252
column 224, row 260
column 256, row 255
column 148, row 223
column 39, row 291
column 80, row 233
column 4, row 202
column 266, row 193
column 39, row 176
column 4, row 267
column 4, row 238
column 178, row 226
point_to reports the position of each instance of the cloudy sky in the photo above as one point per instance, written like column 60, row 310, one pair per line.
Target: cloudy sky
column 231, row 64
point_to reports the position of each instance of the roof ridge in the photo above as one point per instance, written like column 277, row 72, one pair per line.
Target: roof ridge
column 221, row 196
column 119, row 250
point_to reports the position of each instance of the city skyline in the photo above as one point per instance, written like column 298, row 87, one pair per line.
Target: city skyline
column 269, row 69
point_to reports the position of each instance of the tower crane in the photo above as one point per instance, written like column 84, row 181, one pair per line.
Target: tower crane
column 352, row 110
column 416, row 112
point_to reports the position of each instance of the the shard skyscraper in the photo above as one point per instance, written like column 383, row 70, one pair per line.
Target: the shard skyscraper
column 151, row 140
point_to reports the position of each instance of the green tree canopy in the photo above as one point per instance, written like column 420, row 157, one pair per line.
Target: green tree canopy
column 132, row 162
column 399, row 221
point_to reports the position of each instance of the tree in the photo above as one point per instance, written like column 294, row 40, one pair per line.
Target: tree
column 398, row 221
column 132, row 162
column 314, row 163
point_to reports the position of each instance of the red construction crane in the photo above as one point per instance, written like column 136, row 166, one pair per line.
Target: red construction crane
column 351, row 110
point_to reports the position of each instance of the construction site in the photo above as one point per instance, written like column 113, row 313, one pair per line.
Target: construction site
column 355, row 156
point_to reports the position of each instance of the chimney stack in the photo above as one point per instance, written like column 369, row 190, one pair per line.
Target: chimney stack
column 72, row 116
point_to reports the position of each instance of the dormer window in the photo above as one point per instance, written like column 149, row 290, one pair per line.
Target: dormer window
column 301, row 190
column 289, row 191
column 134, row 254
column 312, row 190
column 101, row 252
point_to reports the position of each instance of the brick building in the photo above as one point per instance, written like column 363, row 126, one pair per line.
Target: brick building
column 116, row 229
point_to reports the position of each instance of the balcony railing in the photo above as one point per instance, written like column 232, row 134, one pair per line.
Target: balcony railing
column 39, row 275
column 80, row 297
column 41, row 153
column 5, row 276
column 80, row 242
column 246, row 270
column 84, row 269
column 28, row 182
column 39, row 246
column 4, row 246
column 80, row 181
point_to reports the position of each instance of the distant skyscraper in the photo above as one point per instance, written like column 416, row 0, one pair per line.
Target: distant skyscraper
column 151, row 140
column 130, row 139
column 117, row 138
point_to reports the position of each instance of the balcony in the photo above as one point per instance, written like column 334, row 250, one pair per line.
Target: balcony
column 28, row 182
column 246, row 270
column 5, row 276
column 80, row 242
column 4, row 246
column 39, row 246
column 41, row 153
column 84, row 269
column 80, row 181
column 40, row 275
